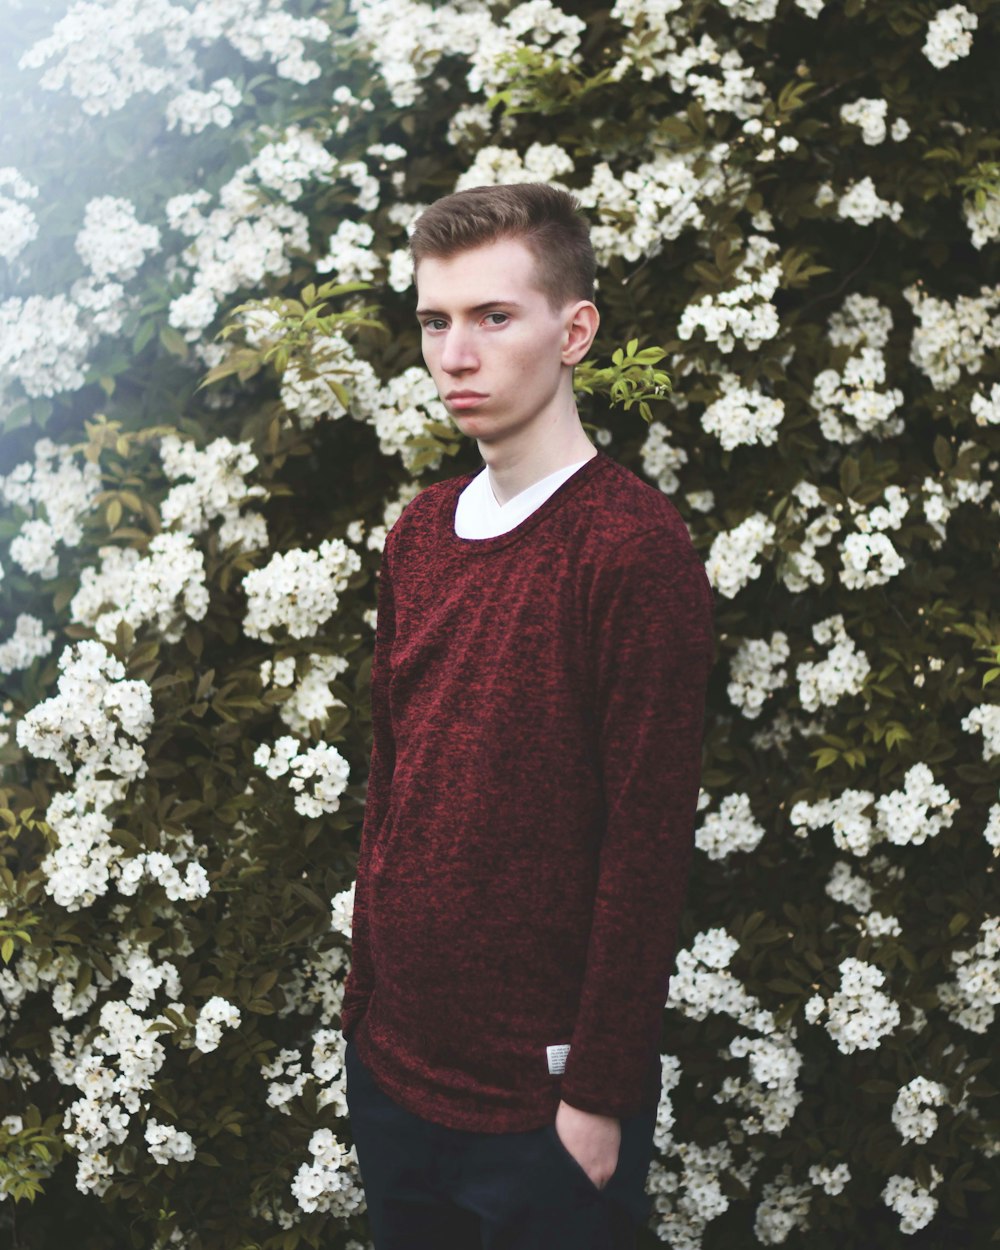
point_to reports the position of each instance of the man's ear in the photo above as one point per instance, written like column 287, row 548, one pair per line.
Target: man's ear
column 579, row 329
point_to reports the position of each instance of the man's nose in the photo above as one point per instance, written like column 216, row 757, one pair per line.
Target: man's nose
column 457, row 354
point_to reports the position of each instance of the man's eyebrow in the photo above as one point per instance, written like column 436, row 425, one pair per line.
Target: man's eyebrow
column 492, row 303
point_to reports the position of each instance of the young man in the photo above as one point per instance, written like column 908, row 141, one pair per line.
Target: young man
column 543, row 643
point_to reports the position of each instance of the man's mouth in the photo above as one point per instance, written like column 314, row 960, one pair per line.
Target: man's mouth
column 464, row 399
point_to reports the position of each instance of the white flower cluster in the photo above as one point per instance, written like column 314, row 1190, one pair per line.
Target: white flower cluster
column 30, row 641
column 247, row 237
column 985, row 719
column 985, row 409
column 18, row 224
column 992, row 831
column 193, row 111
column 949, row 35
column 163, row 869
column 859, row 1014
column 342, row 912
column 983, row 221
column 167, row 1143
column 860, row 202
column 971, row 999
column 756, row 671
column 911, row 1201
column 659, row 199
column 949, row 337
column 905, row 816
column 848, row 888
column 286, row 1063
column 845, row 813
column 731, row 828
column 870, row 115
column 97, row 50
column 496, row 166
column 331, row 1181
column 322, row 764
column 732, row 558
column 311, row 700
column 63, row 490
column 681, row 1222
column 81, row 729
column 165, row 587
column 408, row 404
column 702, row 984
column 298, row 590
column 770, row 1094
column 742, row 416
column 215, row 1014
column 799, row 569
column 783, row 1208
column 743, row 311
column 842, row 672
column 660, row 459
column 113, row 243
column 349, row 253
column 831, row 1180
column 537, row 24
column 868, row 556
column 43, row 344
column 218, row 489
column 913, row 1111
column 407, row 40
column 112, row 1073
column 400, row 410
column 941, row 499
column 849, row 403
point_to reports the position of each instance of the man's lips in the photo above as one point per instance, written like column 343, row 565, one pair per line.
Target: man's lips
column 464, row 399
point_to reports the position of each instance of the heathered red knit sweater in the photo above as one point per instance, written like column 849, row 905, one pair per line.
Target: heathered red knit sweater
column 537, row 704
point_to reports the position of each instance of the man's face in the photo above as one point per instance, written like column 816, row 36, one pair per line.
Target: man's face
column 496, row 350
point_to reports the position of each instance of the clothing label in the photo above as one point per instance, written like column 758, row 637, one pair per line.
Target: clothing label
column 557, row 1058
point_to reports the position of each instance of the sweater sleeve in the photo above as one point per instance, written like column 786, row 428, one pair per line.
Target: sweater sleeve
column 652, row 647
column 360, row 980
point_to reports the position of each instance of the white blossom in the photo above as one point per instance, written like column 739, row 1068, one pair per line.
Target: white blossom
column 322, row 764
column 911, row 1201
column 742, row 416
column 869, row 114
column 217, row 1013
column 733, row 558
column 949, row 35
column 913, row 1111
column 842, row 672
column 731, row 828
column 859, row 1014
column 298, row 590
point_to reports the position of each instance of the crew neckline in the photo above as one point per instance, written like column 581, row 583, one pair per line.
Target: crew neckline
column 544, row 509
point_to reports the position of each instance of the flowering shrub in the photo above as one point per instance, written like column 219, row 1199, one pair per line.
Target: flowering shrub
column 202, row 451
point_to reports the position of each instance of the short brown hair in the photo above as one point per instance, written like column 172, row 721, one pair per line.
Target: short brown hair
column 546, row 219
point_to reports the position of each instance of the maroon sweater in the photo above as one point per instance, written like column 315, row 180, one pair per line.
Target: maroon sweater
column 537, row 703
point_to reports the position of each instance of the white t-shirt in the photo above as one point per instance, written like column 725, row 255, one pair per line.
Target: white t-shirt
column 478, row 514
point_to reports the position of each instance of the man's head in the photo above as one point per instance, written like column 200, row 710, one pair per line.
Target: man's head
column 548, row 221
column 504, row 281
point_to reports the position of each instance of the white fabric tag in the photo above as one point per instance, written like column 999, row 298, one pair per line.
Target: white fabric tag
column 557, row 1058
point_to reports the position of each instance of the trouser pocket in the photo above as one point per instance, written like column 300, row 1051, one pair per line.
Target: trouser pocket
column 581, row 1172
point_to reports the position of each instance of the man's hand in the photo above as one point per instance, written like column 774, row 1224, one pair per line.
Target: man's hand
column 592, row 1140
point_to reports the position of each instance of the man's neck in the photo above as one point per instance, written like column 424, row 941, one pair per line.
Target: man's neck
column 512, row 470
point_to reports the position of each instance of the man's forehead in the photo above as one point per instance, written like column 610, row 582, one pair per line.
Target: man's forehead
column 505, row 266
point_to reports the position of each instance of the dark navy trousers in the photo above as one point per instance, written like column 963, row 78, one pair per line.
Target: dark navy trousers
column 429, row 1187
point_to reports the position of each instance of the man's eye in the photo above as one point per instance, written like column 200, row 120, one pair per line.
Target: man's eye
column 504, row 317
column 433, row 323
